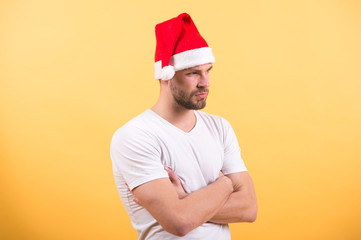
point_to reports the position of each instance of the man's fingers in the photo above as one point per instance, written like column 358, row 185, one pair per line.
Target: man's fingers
column 176, row 182
column 168, row 169
column 135, row 199
column 126, row 184
column 172, row 176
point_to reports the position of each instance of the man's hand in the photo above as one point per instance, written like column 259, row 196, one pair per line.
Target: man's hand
column 135, row 199
column 176, row 183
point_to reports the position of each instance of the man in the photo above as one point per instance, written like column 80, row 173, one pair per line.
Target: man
column 178, row 170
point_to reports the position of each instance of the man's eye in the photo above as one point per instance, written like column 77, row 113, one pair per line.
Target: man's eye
column 191, row 73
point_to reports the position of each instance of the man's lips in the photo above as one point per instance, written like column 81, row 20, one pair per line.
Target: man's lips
column 202, row 95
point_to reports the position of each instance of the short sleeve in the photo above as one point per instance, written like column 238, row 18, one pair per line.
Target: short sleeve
column 232, row 153
column 136, row 155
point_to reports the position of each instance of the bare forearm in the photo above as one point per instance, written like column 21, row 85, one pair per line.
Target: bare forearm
column 201, row 205
column 238, row 208
column 241, row 206
column 179, row 216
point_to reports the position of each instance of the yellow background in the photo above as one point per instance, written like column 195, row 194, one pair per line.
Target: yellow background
column 287, row 76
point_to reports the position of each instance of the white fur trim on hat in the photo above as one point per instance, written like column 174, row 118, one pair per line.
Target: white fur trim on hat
column 183, row 60
column 167, row 72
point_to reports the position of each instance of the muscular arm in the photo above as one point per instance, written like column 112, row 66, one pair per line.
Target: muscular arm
column 179, row 216
column 241, row 206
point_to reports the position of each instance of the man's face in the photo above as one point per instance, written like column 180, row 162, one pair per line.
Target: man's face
column 189, row 87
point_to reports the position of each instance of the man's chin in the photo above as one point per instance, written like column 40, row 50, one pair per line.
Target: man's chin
column 200, row 105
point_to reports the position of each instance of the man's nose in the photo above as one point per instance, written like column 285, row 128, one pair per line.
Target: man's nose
column 203, row 81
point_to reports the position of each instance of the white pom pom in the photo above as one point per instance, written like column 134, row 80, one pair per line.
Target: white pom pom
column 167, row 72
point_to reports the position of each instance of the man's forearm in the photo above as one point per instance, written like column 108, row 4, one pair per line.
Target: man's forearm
column 237, row 209
column 241, row 206
column 206, row 202
column 179, row 216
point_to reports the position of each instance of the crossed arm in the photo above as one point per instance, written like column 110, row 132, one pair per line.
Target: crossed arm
column 241, row 205
column 230, row 198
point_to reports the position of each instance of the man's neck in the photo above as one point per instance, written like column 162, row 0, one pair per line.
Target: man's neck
column 178, row 116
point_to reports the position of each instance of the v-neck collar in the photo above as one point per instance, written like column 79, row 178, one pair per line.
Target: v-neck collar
column 194, row 129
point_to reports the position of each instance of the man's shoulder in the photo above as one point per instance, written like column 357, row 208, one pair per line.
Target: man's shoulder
column 139, row 125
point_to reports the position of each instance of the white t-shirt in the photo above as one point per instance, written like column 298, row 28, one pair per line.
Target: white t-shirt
column 142, row 147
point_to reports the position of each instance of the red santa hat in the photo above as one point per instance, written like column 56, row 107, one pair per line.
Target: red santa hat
column 179, row 46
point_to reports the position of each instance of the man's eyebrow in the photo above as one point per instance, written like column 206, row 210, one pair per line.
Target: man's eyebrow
column 191, row 69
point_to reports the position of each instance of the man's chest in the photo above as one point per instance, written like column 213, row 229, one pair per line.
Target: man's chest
column 196, row 159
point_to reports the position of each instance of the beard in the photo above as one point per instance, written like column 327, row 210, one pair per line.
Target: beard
column 184, row 99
